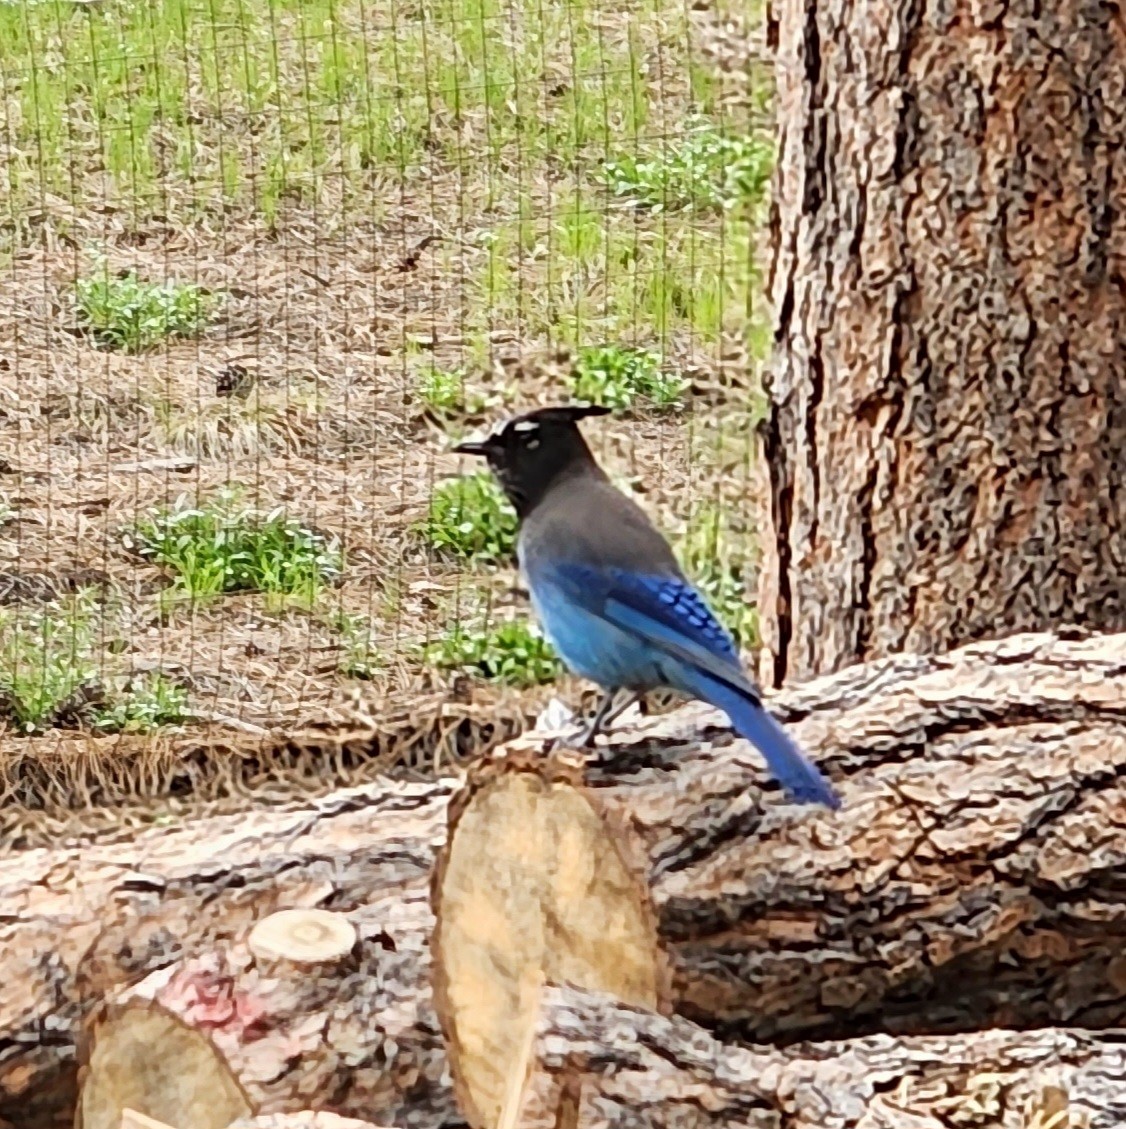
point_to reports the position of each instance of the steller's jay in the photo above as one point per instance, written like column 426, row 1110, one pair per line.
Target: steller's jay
column 611, row 596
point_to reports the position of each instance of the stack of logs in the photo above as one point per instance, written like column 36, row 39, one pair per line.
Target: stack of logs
column 648, row 936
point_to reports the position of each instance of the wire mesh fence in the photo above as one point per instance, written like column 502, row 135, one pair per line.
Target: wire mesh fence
column 263, row 262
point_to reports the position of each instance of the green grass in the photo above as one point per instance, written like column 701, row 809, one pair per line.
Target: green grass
column 707, row 168
column 122, row 312
column 513, row 652
column 470, row 517
column 146, row 704
column 327, row 87
column 221, row 547
column 240, row 107
column 46, row 661
column 619, row 376
column 49, row 675
column 719, row 562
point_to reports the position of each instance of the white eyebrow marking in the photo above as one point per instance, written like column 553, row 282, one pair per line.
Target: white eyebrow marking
column 526, row 425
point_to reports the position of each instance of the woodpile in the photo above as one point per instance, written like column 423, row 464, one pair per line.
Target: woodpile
column 648, row 936
column 301, row 1119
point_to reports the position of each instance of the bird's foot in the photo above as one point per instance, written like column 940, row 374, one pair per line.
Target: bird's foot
column 578, row 738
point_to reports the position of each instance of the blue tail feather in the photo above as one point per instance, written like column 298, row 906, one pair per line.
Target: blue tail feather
column 801, row 779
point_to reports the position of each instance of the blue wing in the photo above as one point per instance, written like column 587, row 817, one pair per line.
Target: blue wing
column 672, row 627
column 666, row 611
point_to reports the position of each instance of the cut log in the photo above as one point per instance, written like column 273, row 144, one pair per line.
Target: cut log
column 974, row 880
column 596, row 1062
column 973, row 877
column 299, row 1119
column 301, row 936
column 132, row 1119
column 79, row 923
column 228, row 1035
column 532, row 884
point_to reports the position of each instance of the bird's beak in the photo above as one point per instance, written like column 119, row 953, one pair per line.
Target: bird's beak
column 472, row 449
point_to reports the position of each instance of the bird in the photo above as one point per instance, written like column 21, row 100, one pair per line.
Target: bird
column 610, row 595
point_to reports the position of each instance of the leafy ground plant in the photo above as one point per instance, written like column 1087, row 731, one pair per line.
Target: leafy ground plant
column 123, row 312
column 619, row 375
column 442, row 390
column 358, row 656
column 513, row 652
column 706, row 169
column 220, row 547
column 470, row 517
column 146, row 704
column 46, row 663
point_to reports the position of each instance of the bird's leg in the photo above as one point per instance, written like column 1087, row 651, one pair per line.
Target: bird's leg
column 591, row 731
column 604, row 715
column 613, row 715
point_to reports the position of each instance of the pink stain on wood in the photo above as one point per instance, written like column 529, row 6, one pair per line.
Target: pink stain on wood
column 205, row 998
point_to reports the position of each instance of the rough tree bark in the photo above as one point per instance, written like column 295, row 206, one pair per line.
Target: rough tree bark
column 268, row 1024
column 302, row 1119
column 596, row 1061
column 81, row 922
column 973, row 877
column 947, row 423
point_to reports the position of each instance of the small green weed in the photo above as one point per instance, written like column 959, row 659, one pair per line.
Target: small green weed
column 122, row 312
column 618, row 375
column 470, row 517
column 513, row 652
column 146, row 704
column 707, row 169
column 220, row 548
column 46, row 662
column 442, row 390
column 718, row 568
column 358, row 658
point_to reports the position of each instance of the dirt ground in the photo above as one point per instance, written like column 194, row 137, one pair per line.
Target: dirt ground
column 332, row 308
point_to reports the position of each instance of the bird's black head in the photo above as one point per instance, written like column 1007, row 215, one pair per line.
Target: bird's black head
column 530, row 453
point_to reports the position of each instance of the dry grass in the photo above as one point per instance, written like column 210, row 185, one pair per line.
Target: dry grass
column 365, row 207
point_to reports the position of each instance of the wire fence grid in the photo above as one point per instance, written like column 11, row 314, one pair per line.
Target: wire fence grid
column 262, row 262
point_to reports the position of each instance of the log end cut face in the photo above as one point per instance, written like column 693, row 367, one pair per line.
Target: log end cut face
column 186, row 1085
column 534, row 887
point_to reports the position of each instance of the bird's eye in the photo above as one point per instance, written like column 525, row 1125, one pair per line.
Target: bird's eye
column 532, row 443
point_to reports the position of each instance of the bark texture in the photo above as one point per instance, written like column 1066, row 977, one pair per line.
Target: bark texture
column 946, row 432
column 228, row 1035
column 973, row 878
column 301, row 1119
column 595, row 1061
column 81, row 922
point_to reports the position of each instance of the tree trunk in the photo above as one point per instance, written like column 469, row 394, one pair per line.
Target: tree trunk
column 596, row 1062
column 947, row 423
column 973, row 877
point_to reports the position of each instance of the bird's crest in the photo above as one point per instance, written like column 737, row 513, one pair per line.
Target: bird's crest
column 532, row 421
column 523, row 428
